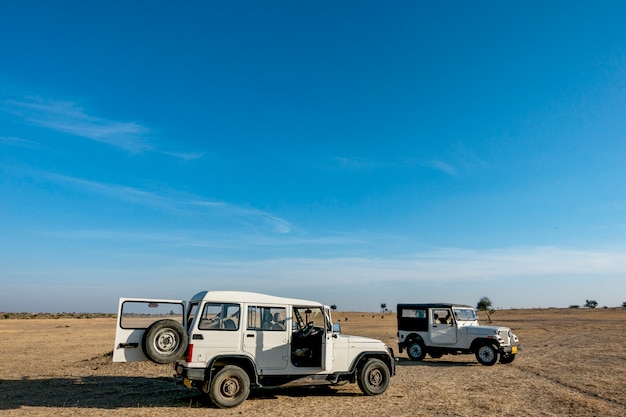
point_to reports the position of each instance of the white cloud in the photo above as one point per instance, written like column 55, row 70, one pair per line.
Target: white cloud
column 442, row 166
column 67, row 117
column 24, row 143
column 186, row 202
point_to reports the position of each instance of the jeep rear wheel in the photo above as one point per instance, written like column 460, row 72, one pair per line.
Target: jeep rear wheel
column 164, row 341
column 373, row 378
column 487, row 354
column 416, row 351
column 229, row 387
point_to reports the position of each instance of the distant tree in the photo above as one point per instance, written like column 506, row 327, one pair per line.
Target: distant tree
column 333, row 307
column 383, row 307
column 591, row 303
column 484, row 304
column 574, row 306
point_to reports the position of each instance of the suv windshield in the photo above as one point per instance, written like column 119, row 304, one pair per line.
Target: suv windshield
column 465, row 314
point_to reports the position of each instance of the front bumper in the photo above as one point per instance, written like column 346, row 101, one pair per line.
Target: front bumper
column 511, row 349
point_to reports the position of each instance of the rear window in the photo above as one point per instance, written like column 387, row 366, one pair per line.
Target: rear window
column 141, row 314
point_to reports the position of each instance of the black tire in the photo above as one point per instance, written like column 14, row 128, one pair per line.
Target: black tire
column 165, row 341
column 507, row 358
column 435, row 354
column 373, row 378
column 487, row 354
column 229, row 387
column 416, row 350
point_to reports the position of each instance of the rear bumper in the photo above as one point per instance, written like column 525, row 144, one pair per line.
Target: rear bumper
column 194, row 374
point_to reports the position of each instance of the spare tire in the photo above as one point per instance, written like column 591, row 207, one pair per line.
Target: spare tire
column 165, row 341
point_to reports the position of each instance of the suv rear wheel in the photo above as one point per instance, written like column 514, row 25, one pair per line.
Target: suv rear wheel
column 229, row 387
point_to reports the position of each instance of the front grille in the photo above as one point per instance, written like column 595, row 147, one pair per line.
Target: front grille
column 504, row 335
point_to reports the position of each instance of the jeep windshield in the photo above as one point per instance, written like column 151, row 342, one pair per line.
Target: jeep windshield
column 465, row 314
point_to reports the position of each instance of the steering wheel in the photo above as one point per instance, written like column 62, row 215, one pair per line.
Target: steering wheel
column 307, row 330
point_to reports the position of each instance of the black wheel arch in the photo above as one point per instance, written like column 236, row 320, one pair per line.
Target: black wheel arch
column 363, row 357
column 413, row 337
column 484, row 341
column 242, row 361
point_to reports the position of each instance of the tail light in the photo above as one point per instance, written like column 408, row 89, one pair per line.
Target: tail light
column 189, row 355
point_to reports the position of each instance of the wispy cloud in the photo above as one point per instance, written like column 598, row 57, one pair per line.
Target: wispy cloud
column 68, row 117
column 278, row 224
column 115, row 191
column 442, row 167
column 187, row 156
column 23, row 143
column 161, row 201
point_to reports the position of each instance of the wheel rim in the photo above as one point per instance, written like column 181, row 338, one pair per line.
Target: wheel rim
column 231, row 387
column 415, row 350
column 486, row 354
column 375, row 378
column 166, row 341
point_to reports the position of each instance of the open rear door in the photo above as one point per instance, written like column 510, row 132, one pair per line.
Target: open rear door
column 136, row 317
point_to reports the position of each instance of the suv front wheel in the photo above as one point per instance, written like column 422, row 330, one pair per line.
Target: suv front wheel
column 374, row 377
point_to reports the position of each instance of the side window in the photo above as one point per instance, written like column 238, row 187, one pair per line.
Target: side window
column 413, row 319
column 442, row 316
column 220, row 316
column 266, row 318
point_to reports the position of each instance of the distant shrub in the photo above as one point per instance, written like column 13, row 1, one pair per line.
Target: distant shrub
column 574, row 306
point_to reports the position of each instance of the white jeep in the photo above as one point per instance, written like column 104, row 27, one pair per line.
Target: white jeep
column 226, row 342
column 439, row 329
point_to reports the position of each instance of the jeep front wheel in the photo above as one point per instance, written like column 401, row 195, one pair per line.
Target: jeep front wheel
column 165, row 341
column 373, row 379
column 229, row 387
column 416, row 351
column 487, row 354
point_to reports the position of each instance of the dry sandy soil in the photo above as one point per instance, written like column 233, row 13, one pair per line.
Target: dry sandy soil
column 573, row 363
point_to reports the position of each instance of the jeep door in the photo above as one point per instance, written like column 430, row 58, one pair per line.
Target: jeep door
column 266, row 336
column 134, row 316
column 443, row 329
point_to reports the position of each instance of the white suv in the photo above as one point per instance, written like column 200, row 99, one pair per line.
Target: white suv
column 226, row 342
column 439, row 329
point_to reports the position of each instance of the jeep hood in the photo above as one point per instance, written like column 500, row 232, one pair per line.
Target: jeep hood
column 484, row 329
column 360, row 340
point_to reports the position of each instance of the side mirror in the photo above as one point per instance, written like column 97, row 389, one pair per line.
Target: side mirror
column 336, row 328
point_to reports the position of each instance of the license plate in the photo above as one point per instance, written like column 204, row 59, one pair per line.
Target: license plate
column 514, row 350
column 187, row 382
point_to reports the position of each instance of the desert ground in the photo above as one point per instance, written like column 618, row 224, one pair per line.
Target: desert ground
column 573, row 363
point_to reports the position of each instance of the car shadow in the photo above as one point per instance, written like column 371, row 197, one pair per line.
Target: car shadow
column 110, row 392
column 434, row 363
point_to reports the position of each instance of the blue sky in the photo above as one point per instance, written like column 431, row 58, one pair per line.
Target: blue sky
column 350, row 152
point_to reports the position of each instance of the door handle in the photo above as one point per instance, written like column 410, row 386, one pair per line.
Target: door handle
column 249, row 335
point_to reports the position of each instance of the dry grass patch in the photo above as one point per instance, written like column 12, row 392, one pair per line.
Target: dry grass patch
column 573, row 363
